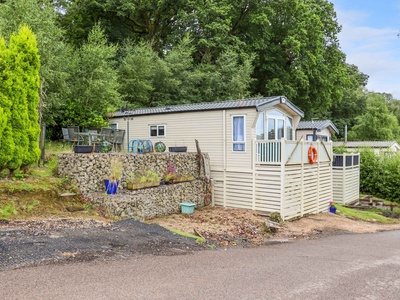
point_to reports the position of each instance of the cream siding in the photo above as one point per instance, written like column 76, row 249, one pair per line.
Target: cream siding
column 181, row 130
column 237, row 160
column 304, row 132
column 291, row 188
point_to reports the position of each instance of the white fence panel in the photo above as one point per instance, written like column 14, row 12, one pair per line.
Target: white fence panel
column 346, row 177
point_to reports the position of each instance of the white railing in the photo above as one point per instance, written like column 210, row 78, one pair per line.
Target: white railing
column 289, row 152
column 268, row 151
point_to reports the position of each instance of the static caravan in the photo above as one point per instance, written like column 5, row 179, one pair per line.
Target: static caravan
column 322, row 130
column 255, row 161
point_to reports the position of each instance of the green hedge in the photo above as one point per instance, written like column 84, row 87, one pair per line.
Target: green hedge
column 380, row 175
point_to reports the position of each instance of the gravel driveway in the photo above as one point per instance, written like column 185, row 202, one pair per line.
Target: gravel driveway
column 61, row 242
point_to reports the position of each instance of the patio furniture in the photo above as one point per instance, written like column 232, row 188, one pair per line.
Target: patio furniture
column 73, row 134
column 65, row 136
column 107, row 134
column 118, row 139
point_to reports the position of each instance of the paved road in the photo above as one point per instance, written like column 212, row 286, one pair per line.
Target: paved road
column 123, row 239
column 365, row 266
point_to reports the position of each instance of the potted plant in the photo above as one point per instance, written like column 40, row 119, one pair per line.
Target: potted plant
column 116, row 170
column 170, row 174
column 168, row 179
column 139, row 180
column 332, row 207
column 182, row 178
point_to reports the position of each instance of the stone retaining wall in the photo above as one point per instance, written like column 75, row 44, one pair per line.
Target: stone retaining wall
column 88, row 171
column 151, row 202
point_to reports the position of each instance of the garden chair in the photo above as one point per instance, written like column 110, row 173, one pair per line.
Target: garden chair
column 73, row 134
column 65, row 136
column 118, row 139
column 106, row 134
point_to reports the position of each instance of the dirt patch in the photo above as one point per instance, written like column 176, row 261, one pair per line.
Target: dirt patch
column 238, row 226
column 31, row 243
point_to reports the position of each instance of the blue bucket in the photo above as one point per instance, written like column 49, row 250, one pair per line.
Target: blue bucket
column 111, row 186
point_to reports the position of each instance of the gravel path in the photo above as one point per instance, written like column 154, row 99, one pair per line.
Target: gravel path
column 33, row 243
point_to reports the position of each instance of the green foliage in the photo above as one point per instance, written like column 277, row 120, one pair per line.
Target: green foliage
column 353, row 104
column 199, row 239
column 377, row 123
column 7, row 145
column 340, row 149
column 29, row 71
column 95, row 82
column 55, row 54
column 380, row 175
column 22, row 81
column 288, row 47
column 363, row 215
column 7, row 211
column 150, row 80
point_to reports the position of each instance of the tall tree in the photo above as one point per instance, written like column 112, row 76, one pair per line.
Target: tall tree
column 7, row 145
column 377, row 123
column 353, row 104
column 150, row 80
column 298, row 55
column 295, row 41
column 41, row 17
column 24, row 95
column 94, row 86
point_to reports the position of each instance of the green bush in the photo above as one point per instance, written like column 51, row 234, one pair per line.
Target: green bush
column 380, row 174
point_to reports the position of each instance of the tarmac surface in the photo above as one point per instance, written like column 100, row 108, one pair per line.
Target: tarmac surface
column 346, row 266
column 128, row 238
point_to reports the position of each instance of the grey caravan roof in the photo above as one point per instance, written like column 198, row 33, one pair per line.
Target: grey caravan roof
column 317, row 124
column 258, row 103
column 371, row 144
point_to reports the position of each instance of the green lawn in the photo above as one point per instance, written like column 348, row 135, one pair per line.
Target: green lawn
column 363, row 215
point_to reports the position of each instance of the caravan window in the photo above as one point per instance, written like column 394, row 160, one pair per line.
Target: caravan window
column 157, row 130
column 278, row 125
column 238, row 133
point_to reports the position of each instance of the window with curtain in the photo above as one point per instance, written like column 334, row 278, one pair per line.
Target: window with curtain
column 238, row 133
column 260, row 127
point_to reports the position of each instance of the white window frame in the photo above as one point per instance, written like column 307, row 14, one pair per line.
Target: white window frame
column 244, row 135
column 310, row 137
column 158, row 126
column 292, row 130
column 275, row 118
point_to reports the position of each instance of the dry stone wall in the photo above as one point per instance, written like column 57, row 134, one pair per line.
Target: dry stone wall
column 151, row 202
column 88, row 171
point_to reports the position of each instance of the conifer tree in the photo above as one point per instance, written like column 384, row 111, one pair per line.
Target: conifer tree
column 24, row 76
column 7, row 142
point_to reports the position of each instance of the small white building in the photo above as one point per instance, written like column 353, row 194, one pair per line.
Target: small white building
column 377, row 146
column 322, row 130
column 255, row 161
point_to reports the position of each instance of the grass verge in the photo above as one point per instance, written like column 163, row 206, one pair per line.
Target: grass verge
column 39, row 193
column 199, row 239
column 362, row 215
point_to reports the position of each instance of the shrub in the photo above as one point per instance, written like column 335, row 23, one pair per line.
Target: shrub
column 380, row 174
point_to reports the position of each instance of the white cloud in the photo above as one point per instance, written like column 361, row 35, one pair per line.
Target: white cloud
column 374, row 50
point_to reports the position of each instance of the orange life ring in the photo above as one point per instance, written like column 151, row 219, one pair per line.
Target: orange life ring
column 312, row 154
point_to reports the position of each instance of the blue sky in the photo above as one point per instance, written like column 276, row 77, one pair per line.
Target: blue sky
column 369, row 39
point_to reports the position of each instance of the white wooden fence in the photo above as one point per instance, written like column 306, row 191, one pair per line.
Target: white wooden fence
column 346, row 177
column 290, row 152
column 282, row 179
